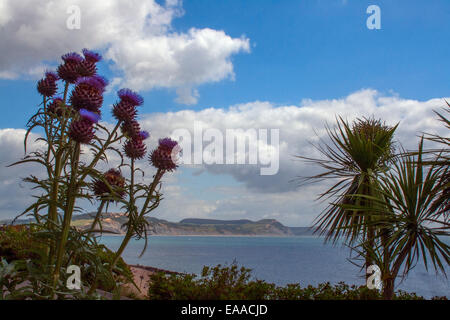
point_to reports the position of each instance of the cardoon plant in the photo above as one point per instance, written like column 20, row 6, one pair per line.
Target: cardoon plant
column 71, row 127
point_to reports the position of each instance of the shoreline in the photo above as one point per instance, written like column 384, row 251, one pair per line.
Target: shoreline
column 141, row 277
column 218, row 235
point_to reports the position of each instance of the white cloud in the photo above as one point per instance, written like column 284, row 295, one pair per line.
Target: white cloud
column 297, row 125
column 187, row 95
column 15, row 194
column 253, row 196
column 279, row 196
column 136, row 35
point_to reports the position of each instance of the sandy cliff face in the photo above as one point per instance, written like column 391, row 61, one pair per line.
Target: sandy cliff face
column 268, row 227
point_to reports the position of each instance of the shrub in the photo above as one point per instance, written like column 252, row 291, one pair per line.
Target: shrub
column 234, row 283
column 23, row 254
column 17, row 243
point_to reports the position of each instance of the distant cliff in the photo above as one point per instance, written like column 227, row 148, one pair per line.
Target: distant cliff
column 113, row 222
column 266, row 227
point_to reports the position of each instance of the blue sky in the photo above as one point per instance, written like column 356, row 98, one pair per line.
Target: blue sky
column 302, row 50
column 284, row 53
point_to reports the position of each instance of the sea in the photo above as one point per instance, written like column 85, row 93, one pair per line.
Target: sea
column 280, row 260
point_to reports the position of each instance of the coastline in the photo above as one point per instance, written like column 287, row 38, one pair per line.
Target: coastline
column 218, row 235
column 141, row 277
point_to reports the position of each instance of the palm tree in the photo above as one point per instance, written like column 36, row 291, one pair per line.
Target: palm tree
column 442, row 158
column 409, row 223
column 357, row 155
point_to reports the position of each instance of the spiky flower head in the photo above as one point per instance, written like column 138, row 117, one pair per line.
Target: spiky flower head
column 124, row 111
column 130, row 96
column 89, row 115
column 96, row 81
column 81, row 130
column 51, row 75
column 116, row 183
column 88, row 93
column 167, row 144
column 72, row 57
column 91, row 56
column 87, row 68
column 131, row 129
column 47, row 86
column 56, row 107
column 68, row 71
column 135, row 148
column 165, row 157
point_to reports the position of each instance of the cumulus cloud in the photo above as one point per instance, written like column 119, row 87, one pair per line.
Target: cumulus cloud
column 136, row 36
column 298, row 126
column 15, row 195
column 252, row 195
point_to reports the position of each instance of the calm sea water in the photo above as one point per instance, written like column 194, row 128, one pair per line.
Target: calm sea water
column 305, row 260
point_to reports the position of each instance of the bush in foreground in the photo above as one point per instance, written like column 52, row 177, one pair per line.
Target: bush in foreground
column 23, row 263
column 236, row 283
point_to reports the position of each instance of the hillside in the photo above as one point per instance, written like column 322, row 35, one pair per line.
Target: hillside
column 112, row 222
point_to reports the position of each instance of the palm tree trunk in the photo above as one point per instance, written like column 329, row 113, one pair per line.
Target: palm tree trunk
column 387, row 277
column 370, row 228
column 388, row 287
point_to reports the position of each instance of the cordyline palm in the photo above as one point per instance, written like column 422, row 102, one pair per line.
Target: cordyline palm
column 442, row 158
column 356, row 156
column 409, row 224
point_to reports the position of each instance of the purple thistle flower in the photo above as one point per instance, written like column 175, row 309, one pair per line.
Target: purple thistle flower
column 95, row 81
column 86, row 68
column 102, row 80
column 81, row 131
column 91, row 56
column 131, row 129
column 88, row 93
column 116, row 185
column 47, row 87
column 55, row 108
column 143, row 134
column 50, row 75
column 68, row 71
column 135, row 148
column 167, row 144
column 124, row 111
column 130, row 96
column 89, row 115
column 166, row 155
column 72, row 57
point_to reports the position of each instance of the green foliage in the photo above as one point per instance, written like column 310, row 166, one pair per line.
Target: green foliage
column 355, row 157
column 390, row 208
column 217, row 283
column 18, row 243
column 25, row 280
column 27, row 273
column 73, row 146
column 234, row 283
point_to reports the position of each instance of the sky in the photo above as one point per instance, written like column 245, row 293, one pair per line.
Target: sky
column 290, row 66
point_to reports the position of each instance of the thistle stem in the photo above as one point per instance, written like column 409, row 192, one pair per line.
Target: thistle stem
column 53, row 207
column 52, row 212
column 130, row 230
column 100, row 153
column 70, row 198
column 155, row 182
column 97, row 216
